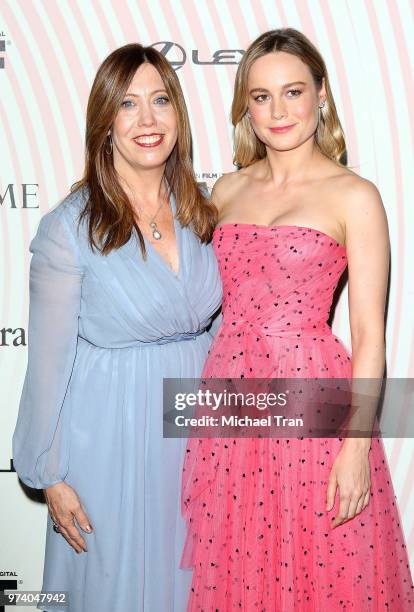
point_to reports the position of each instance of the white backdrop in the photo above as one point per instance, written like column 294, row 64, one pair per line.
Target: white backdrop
column 49, row 53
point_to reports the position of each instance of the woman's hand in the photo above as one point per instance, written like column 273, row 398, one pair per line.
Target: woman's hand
column 65, row 506
column 351, row 472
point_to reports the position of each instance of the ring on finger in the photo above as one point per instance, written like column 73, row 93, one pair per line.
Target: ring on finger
column 55, row 524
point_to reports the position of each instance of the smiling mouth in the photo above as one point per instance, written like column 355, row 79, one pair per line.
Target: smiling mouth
column 149, row 140
column 283, row 128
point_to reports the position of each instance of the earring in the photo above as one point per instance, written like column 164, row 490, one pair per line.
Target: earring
column 109, row 139
column 321, row 117
column 248, row 115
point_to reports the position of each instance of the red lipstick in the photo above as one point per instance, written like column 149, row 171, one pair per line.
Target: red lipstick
column 149, row 140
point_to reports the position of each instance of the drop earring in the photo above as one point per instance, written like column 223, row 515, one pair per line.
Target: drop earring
column 108, row 139
column 320, row 114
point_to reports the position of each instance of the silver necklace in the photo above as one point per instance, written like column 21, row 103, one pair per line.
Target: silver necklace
column 153, row 225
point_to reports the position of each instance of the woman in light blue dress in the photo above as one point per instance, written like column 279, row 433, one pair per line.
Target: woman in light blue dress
column 105, row 327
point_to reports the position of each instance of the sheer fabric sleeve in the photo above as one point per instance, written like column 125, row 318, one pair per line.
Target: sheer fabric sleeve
column 40, row 440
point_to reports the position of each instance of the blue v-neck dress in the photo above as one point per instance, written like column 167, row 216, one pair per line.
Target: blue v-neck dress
column 103, row 332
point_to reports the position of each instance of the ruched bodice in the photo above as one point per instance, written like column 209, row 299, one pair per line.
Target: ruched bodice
column 279, row 279
column 127, row 301
column 278, row 283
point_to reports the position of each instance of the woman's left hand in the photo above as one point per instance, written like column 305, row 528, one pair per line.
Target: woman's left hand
column 351, row 473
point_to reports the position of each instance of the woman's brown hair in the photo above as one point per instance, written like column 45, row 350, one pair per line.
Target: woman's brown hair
column 329, row 135
column 108, row 210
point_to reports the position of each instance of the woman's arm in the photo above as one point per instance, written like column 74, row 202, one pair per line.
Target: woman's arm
column 40, row 440
column 368, row 252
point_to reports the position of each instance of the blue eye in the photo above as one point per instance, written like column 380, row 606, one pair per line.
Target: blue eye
column 162, row 100
column 127, row 103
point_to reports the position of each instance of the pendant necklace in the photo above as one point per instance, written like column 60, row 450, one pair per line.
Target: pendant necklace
column 153, row 225
column 155, row 231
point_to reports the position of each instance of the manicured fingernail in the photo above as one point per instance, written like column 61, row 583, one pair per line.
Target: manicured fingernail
column 88, row 528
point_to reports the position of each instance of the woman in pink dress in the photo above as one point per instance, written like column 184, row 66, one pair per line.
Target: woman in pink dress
column 278, row 524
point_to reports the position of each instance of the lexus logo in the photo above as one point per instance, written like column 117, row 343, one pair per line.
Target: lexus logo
column 177, row 55
column 174, row 52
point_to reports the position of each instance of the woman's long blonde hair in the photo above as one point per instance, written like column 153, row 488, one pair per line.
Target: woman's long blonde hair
column 108, row 211
column 329, row 135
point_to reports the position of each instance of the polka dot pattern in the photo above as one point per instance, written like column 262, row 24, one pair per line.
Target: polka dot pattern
column 259, row 537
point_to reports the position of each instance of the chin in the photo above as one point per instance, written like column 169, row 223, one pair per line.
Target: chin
column 287, row 145
column 145, row 164
column 151, row 159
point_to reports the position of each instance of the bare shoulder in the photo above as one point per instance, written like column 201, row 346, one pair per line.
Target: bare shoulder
column 360, row 207
column 358, row 198
column 227, row 187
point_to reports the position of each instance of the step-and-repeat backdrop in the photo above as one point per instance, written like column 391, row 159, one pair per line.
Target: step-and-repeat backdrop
column 49, row 53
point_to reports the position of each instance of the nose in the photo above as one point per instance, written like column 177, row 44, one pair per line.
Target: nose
column 278, row 108
column 145, row 115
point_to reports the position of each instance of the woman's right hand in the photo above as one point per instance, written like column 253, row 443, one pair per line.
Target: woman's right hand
column 64, row 507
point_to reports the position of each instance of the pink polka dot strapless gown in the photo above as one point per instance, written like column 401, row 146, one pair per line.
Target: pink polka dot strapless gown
column 259, row 536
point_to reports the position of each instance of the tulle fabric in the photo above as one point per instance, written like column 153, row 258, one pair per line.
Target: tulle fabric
column 259, row 536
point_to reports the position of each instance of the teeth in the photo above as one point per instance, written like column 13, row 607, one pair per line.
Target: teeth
column 148, row 139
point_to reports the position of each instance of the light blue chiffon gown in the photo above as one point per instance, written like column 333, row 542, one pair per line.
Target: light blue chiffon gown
column 103, row 332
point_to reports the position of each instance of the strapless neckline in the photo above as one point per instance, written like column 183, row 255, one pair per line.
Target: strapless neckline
column 280, row 227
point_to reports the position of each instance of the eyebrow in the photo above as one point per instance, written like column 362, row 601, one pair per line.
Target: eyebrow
column 256, row 89
column 133, row 95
